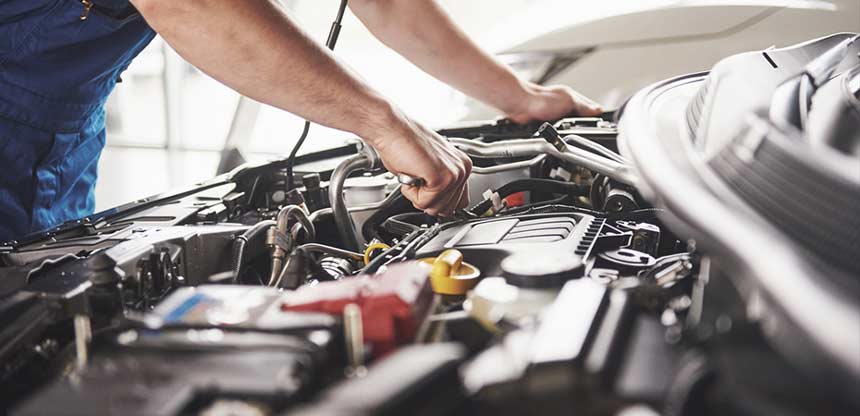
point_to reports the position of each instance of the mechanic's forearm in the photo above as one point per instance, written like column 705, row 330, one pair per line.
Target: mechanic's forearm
column 422, row 31
column 255, row 48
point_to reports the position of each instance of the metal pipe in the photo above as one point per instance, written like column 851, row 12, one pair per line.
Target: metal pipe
column 335, row 195
column 353, row 334
column 595, row 147
column 297, row 212
column 322, row 248
column 531, row 147
column 507, row 167
column 282, row 229
column 83, row 335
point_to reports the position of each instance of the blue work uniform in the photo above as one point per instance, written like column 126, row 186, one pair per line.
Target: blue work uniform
column 59, row 61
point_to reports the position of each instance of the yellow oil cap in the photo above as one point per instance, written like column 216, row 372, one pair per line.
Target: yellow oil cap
column 450, row 275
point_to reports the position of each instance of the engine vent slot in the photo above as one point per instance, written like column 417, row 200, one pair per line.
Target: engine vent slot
column 541, row 230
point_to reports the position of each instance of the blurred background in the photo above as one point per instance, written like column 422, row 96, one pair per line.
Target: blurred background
column 168, row 122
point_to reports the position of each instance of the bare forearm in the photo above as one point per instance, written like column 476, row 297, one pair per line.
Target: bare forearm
column 422, row 31
column 258, row 50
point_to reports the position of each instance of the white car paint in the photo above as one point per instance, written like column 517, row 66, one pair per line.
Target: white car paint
column 646, row 42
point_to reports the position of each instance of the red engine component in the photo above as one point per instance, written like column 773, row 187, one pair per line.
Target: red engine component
column 516, row 200
column 392, row 302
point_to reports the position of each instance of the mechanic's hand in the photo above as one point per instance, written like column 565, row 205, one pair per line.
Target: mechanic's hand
column 547, row 103
column 419, row 152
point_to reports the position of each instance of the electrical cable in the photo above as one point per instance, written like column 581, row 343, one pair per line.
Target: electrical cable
column 330, row 43
column 255, row 232
column 523, row 185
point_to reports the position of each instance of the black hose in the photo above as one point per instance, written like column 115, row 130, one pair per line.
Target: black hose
column 241, row 241
column 295, row 211
column 397, row 226
column 394, row 204
column 540, row 185
column 342, row 219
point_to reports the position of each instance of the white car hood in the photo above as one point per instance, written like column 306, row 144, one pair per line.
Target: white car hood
column 592, row 23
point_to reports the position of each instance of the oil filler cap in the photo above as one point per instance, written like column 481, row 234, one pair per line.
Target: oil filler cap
column 450, row 275
column 541, row 269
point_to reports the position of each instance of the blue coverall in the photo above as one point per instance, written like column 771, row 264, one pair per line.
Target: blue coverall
column 59, row 61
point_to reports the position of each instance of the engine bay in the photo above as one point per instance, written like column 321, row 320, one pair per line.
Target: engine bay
column 253, row 263
column 560, row 290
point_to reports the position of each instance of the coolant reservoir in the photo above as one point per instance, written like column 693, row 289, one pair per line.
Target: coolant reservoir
column 494, row 301
column 531, row 281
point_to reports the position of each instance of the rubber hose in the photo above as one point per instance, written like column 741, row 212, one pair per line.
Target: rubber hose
column 259, row 229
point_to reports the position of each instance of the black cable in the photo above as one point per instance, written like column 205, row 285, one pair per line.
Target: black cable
column 403, row 224
column 552, row 208
column 540, row 185
column 257, row 231
column 515, row 210
column 291, row 160
column 331, row 41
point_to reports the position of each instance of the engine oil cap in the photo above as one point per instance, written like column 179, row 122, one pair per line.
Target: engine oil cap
column 450, row 275
column 541, row 269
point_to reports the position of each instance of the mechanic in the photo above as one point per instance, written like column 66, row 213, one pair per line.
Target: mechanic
column 60, row 59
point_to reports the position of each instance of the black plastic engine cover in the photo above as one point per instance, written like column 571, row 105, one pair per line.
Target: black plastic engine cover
column 485, row 243
column 162, row 382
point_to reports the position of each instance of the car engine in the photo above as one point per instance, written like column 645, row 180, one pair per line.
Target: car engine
column 569, row 286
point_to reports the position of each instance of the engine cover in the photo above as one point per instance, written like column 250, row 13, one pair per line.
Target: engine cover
column 485, row 243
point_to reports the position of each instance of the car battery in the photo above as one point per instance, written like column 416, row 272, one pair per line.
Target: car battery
column 202, row 348
column 171, row 374
column 393, row 302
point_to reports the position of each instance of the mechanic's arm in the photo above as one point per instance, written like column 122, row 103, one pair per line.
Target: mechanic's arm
column 256, row 49
column 422, row 31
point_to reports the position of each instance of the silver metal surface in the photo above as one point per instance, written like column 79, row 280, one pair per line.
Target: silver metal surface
column 532, row 147
column 595, row 147
column 322, row 248
column 83, row 333
column 407, row 180
column 507, row 167
column 353, row 332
